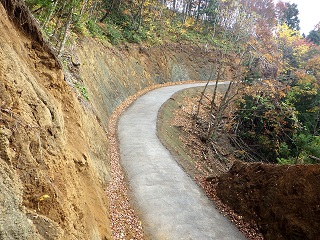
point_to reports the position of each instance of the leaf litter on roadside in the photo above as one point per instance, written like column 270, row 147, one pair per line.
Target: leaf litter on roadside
column 125, row 223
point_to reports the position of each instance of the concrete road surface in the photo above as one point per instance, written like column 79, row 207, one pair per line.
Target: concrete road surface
column 171, row 205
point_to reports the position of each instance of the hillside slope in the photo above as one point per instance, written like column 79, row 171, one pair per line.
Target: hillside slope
column 112, row 74
column 50, row 186
column 266, row 201
column 54, row 160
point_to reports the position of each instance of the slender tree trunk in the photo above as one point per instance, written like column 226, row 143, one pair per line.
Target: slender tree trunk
column 174, row 5
column 198, row 10
column 213, row 100
column 215, row 22
column 160, row 13
column 53, row 8
column 189, row 7
column 56, row 35
column 203, row 93
column 141, row 13
column 219, row 113
column 184, row 12
column 82, row 9
column 93, row 9
column 65, row 34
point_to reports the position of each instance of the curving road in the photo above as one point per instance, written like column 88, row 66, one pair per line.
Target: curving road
column 171, row 205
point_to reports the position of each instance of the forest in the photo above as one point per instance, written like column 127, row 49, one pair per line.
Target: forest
column 274, row 71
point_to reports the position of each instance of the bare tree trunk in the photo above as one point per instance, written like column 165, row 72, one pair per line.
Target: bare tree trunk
column 203, row 93
column 226, row 63
column 140, row 13
column 55, row 36
column 184, row 10
column 215, row 22
column 82, row 9
column 219, row 113
column 93, row 9
column 44, row 25
column 198, row 10
column 174, row 5
column 227, row 99
column 65, row 34
column 160, row 13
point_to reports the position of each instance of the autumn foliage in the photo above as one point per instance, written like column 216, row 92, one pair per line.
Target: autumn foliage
column 274, row 72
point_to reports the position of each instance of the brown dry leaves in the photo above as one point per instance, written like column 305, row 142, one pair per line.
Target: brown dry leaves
column 249, row 230
column 207, row 163
column 125, row 223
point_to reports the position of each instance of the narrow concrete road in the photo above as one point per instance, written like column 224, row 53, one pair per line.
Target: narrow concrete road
column 171, row 205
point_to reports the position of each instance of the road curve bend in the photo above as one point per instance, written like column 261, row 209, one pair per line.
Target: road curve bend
column 171, row 204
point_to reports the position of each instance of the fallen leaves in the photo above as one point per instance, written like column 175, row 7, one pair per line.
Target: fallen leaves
column 43, row 197
column 125, row 224
column 206, row 154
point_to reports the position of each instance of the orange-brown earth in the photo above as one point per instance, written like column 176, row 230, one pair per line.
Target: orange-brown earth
column 283, row 200
column 53, row 163
column 55, row 170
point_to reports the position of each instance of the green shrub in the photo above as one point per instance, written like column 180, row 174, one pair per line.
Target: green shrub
column 94, row 29
column 80, row 27
column 132, row 36
column 286, row 161
column 82, row 90
column 113, row 33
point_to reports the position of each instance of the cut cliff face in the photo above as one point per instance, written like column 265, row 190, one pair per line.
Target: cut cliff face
column 112, row 74
column 54, row 163
column 50, row 147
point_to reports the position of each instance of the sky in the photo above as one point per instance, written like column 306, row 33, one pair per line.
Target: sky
column 309, row 14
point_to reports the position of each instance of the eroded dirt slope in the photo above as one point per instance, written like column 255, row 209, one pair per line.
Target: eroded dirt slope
column 111, row 74
column 282, row 199
column 53, row 148
column 265, row 201
column 52, row 151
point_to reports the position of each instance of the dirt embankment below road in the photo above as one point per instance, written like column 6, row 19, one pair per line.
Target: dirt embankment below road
column 283, row 200
column 264, row 200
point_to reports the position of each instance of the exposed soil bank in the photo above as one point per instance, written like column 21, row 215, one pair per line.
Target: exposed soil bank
column 284, row 200
column 54, row 153
column 112, row 74
column 53, row 157
column 263, row 200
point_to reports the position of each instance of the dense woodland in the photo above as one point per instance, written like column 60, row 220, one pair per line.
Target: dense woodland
column 274, row 71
